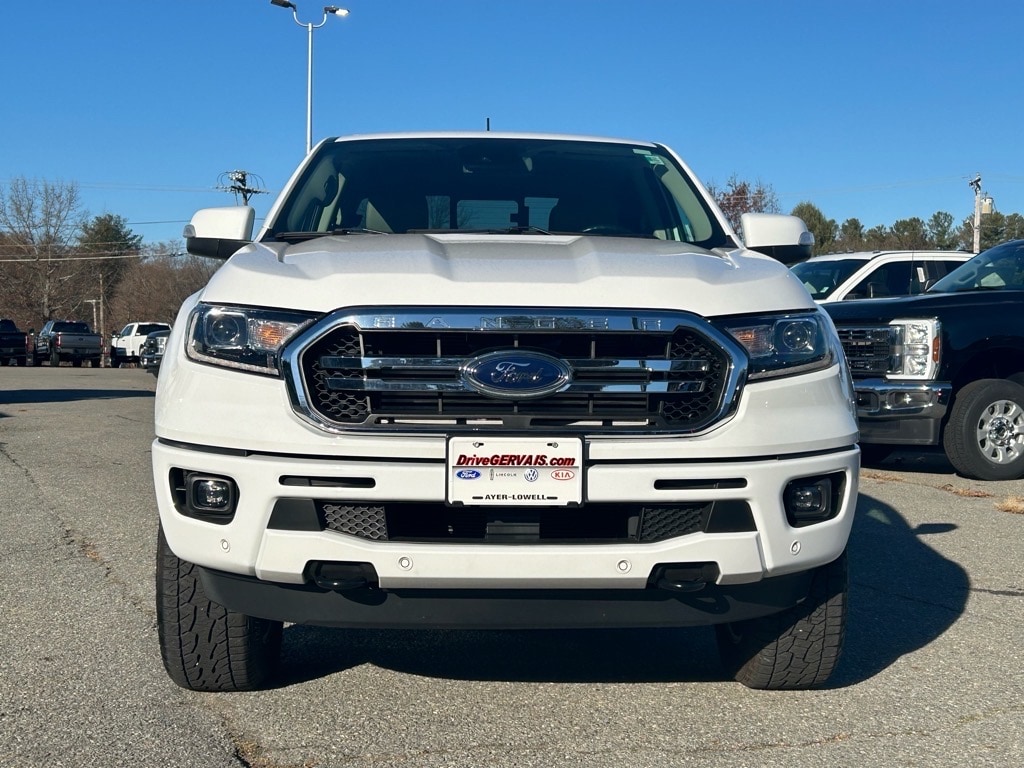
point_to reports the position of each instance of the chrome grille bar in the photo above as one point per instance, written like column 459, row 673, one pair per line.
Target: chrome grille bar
column 403, row 369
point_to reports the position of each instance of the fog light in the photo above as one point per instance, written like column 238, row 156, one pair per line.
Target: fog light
column 811, row 500
column 804, row 499
column 211, row 494
column 211, row 497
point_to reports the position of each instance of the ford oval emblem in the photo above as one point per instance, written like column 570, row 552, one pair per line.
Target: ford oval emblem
column 516, row 374
column 468, row 474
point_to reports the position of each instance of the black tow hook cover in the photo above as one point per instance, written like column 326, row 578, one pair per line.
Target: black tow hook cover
column 342, row 577
column 685, row 577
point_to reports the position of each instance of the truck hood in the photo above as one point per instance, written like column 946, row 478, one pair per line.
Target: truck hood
column 324, row 274
column 926, row 305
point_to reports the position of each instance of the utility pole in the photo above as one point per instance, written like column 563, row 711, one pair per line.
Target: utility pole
column 982, row 206
column 976, row 185
column 237, row 182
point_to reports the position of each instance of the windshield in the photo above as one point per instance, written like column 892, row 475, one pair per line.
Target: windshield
column 821, row 278
column 998, row 268
column 530, row 185
column 71, row 327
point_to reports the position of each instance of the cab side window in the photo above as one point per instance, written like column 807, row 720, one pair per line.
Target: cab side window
column 893, row 279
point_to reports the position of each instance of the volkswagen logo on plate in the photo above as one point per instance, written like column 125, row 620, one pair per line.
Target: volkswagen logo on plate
column 516, row 374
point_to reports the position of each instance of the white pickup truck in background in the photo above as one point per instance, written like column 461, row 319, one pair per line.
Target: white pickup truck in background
column 126, row 346
column 506, row 381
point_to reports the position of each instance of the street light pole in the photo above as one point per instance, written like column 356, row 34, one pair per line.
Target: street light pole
column 329, row 10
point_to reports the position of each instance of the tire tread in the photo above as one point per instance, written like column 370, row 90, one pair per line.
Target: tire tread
column 205, row 646
column 798, row 648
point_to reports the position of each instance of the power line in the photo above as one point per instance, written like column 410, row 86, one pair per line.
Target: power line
column 94, row 258
column 240, row 184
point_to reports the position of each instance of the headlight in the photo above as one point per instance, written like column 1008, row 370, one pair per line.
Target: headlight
column 781, row 345
column 915, row 349
column 241, row 337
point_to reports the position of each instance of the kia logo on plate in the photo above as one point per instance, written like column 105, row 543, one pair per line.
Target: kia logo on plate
column 515, row 375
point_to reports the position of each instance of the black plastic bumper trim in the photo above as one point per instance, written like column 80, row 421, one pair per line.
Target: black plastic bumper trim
column 503, row 609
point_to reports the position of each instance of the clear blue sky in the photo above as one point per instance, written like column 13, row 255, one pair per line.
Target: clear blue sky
column 878, row 110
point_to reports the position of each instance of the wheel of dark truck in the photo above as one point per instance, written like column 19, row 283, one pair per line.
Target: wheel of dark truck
column 798, row 648
column 206, row 647
column 115, row 362
column 54, row 358
column 22, row 361
column 984, row 436
column 4, row 361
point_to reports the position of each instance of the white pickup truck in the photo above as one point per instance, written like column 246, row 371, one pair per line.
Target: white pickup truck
column 506, row 381
column 126, row 346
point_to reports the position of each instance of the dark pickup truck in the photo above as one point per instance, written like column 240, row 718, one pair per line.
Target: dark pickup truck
column 68, row 340
column 13, row 343
column 945, row 368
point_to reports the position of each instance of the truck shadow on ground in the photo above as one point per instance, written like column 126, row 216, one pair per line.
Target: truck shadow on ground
column 903, row 595
column 929, row 460
column 30, row 396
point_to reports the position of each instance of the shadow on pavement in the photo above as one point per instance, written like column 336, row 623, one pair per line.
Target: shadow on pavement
column 903, row 595
column 926, row 459
column 27, row 396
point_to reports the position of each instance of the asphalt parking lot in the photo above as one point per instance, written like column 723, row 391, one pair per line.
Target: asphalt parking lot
column 930, row 676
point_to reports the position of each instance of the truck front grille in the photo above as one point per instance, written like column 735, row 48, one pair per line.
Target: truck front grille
column 669, row 373
column 869, row 351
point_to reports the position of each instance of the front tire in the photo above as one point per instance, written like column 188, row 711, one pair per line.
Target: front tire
column 797, row 648
column 205, row 646
column 984, row 437
column 54, row 358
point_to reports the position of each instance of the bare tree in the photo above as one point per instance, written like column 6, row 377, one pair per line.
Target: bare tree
column 739, row 197
column 155, row 287
column 40, row 222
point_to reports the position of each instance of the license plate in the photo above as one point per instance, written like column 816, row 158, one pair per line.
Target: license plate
column 513, row 471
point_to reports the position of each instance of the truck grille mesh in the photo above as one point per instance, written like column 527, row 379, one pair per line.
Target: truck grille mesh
column 438, row 522
column 868, row 350
column 674, row 380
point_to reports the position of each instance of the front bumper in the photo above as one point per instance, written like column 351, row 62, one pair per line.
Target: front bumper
column 264, row 554
column 901, row 412
column 504, row 609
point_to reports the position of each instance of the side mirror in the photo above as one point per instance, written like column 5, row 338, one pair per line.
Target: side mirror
column 785, row 238
column 219, row 232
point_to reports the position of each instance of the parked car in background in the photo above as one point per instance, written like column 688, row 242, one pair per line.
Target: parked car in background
column 873, row 274
column 153, row 350
column 126, row 346
column 13, row 343
column 72, row 340
column 945, row 368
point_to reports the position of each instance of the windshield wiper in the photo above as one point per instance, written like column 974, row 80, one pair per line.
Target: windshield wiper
column 298, row 237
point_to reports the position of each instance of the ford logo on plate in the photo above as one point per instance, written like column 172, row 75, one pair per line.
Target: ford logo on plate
column 468, row 474
column 515, row 375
